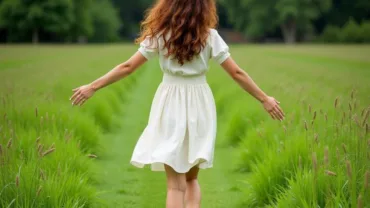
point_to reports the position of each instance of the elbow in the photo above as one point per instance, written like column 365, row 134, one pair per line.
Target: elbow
column 237, row 73
column 126, row 68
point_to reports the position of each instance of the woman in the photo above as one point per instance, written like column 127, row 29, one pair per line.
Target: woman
column 181, row 131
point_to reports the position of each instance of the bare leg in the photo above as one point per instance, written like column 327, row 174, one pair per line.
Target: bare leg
column 193, row 193
column 176, row 187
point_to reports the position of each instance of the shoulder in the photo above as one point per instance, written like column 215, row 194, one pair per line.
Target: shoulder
column 213, row 32
column 212, row 35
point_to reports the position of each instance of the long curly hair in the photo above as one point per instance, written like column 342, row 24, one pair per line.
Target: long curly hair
column 187, row 22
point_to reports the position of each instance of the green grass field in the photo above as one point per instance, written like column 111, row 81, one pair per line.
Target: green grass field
column 53, row 154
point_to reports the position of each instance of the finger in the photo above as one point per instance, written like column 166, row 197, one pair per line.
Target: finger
column 277, row 117
column 277, row 101
column 83, row 101
column 75, row 95
column 272, row 114
column 278, row 112
column 78, row 100
column 75, row 89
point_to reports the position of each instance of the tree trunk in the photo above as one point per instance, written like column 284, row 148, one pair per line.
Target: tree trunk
column 289, row 32
column 35, row 36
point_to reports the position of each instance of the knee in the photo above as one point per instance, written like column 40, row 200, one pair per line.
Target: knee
column 192, row 181
column 181, row 187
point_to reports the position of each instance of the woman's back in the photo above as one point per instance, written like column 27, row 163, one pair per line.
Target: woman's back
column 215, row 48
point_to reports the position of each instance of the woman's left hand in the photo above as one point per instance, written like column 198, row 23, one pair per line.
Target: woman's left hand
column 81, row 94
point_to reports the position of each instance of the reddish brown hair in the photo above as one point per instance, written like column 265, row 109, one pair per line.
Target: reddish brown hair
column 187, row 20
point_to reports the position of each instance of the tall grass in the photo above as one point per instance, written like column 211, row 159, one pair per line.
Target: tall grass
column 47, row 146
column 319, row 156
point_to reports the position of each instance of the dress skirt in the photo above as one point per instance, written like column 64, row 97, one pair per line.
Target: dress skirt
column 181, row 130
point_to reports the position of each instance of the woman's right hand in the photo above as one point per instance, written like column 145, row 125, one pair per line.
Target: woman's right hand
column 272, row 106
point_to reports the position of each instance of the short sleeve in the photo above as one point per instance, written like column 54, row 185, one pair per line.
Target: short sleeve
column 149, row 48
column 219, row 49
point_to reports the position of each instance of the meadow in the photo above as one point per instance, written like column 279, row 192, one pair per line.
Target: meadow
column 53, row 154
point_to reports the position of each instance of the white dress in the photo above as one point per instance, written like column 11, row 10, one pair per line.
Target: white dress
column 181, row 130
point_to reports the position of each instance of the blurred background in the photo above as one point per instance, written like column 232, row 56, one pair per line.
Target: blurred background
column 317, row 157
column 289, row 21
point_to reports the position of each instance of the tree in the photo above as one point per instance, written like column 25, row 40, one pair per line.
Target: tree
column 258, row 17
column 131, row 13
column 82, row 25
column 54, row 16
column 106, row 21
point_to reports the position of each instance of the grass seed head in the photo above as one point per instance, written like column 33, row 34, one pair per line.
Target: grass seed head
column 366, row 117
column 17, row 180
column 326, row 117
column 309, row 108
column 350, row 106
column 344, row 148
column 92, row 156
column 305, row 126
column 366, row 182
column 316, row 138
column 359, row 201
column 331, row 173
column 1, row 149
column 37, row 140
column 314, row 115
column 48, row 152
column 326, row 156
column 363, row 112
column 36, row 112
column 336, row 102
column 10, row 142
column 349, row 169
column 40, row 148
column 42, row 174
column 38, row 191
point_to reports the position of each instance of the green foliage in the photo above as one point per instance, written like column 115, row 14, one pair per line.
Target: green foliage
column 318, row 156
column 52, row 16
column 257, row 17
column 106, row 21
column 38, row 119
column 82, row 24
column 331, row 34
column 68, row 20
column 351, row 32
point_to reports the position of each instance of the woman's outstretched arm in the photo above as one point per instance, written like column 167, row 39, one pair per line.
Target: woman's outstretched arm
column 82, row 93
column 270, row 104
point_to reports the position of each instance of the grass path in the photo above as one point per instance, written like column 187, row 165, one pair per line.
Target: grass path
column 123, row 185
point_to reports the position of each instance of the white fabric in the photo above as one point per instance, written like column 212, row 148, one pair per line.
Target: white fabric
column 181, row 130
